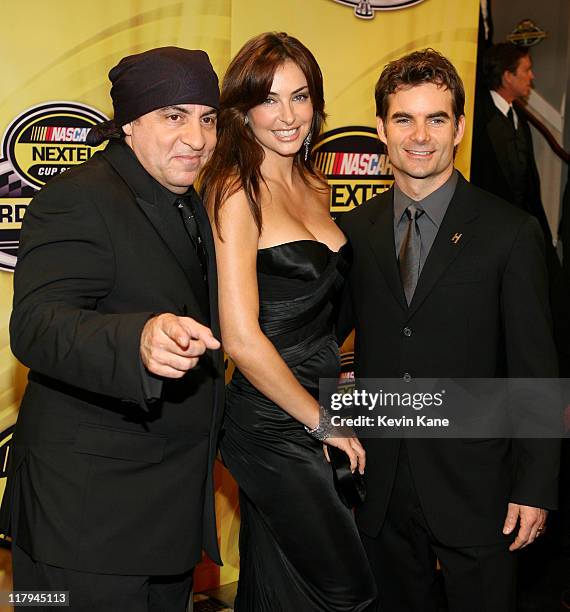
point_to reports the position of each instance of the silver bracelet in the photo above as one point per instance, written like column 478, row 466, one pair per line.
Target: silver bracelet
column 324, row 429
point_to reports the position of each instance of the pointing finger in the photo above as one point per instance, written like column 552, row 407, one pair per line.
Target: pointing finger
column 198, row 331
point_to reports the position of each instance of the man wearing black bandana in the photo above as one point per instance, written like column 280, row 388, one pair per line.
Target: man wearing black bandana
column 110, row 492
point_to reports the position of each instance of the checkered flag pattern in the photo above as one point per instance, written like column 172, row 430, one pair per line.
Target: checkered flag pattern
column 11, row 185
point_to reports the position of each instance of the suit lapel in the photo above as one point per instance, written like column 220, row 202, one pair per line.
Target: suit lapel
column 454, row 234
column 499, row 132
column 216, row 356
column 208, row 240
column 173, row 235
column 176, row 240
column 380, row 236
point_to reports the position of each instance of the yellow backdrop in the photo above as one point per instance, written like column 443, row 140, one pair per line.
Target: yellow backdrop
column 62, row 50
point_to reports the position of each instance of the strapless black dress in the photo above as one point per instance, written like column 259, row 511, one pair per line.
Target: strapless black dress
column 299, row 547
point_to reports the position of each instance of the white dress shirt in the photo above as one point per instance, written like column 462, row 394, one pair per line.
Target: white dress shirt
column 504, row 106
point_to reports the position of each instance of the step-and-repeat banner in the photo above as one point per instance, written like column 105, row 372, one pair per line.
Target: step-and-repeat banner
column 55, row 60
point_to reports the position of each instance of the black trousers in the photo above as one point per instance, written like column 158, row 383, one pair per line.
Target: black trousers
column 403, row 561
column 90, row 592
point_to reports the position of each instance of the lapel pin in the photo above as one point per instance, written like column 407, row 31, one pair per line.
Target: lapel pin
column 456, row 238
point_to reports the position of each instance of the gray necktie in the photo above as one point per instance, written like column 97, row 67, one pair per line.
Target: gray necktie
column 409, row 258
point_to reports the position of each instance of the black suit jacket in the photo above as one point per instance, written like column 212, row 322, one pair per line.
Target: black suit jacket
column 489, row 169
column 102, row 479
column 480, row 310
column 490, row 172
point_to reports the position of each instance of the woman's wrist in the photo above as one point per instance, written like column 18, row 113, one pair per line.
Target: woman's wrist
column 324, row 429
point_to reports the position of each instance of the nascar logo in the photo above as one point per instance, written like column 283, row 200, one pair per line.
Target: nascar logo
column 353, row 164
column 40, row 143
column 356, row 166
column 47, row 139
column 58, row 134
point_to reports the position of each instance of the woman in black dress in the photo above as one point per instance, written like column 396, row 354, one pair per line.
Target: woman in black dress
column 280, row 264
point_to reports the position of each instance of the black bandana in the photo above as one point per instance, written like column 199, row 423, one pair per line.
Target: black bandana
column 154, row 79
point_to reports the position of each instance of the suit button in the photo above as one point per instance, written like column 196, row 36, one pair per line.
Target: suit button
column 407, row 332
column 407, row 377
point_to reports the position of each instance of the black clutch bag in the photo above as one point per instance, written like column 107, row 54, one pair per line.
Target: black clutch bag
column 350, row 487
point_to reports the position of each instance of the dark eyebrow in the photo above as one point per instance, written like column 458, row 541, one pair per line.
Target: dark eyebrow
column 402, row 115
column 272, row 93
column 181, row 110
column 438, row 114
column 178, row 109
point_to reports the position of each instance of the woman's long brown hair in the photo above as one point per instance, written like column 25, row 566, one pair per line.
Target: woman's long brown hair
column 236, row 161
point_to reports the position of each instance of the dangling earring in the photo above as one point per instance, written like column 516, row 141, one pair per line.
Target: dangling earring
column 307, row 144
column 245, row 120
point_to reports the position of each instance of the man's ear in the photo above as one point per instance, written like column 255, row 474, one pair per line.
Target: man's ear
column 506, row 79
column 380, row 128
column 128, row 128
column 459, row 130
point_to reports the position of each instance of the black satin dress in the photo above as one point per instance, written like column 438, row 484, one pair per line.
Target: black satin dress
column 299, row 547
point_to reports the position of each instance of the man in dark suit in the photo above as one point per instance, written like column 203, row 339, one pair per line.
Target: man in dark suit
column 502, row 160
column 110, row 493
column 503, row 163
column 447, row 281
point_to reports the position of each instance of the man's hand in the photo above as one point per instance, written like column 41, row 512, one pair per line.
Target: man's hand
column 171, row 345
column 532, row 522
